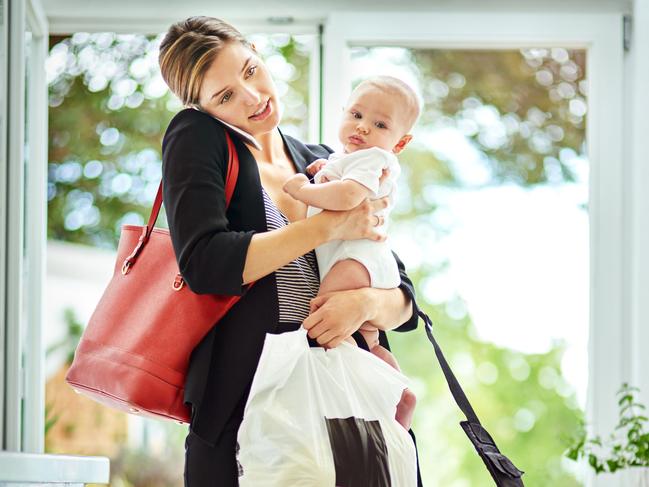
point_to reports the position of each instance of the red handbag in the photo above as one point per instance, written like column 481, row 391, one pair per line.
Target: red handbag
column 134, row 353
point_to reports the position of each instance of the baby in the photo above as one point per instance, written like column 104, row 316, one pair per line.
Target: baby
column 379, row 114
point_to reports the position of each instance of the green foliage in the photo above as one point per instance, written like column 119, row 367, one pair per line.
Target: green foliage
column 69, row 343
column 50, row 418
column 627, row 446
column 530, row 91
column 109, row 109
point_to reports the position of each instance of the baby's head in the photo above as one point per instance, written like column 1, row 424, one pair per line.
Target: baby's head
column 379, row 113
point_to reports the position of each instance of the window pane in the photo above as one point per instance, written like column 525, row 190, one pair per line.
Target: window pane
column 492, row 221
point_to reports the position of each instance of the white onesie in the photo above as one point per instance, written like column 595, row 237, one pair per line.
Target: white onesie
column 364, row 166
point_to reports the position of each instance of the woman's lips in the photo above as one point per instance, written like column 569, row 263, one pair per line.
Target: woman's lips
column 266, row 111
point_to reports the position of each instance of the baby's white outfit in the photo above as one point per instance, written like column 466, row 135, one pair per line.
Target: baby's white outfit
column 364, row 166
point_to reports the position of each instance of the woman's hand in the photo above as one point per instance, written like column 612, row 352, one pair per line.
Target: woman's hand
column 336, row 315
column 359, row 222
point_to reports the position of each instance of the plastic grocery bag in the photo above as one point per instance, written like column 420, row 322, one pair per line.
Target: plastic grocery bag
column 317, row 417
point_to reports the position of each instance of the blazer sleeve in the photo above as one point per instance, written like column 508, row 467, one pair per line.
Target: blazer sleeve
column 409, row 289
column 210, row 255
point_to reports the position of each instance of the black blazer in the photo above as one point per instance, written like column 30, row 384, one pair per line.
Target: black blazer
column 210, row 244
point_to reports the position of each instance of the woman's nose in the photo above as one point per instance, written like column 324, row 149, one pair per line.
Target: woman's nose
column 251, row 95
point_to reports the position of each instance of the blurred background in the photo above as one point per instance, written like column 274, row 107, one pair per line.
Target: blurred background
column 491, row 221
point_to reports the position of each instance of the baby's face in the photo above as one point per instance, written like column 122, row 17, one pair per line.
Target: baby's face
column 371, row 119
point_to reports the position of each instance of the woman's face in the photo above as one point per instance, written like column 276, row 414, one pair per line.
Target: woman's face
column 239, row 90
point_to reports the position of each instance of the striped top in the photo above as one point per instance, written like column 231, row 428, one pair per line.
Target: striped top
column 298, row 281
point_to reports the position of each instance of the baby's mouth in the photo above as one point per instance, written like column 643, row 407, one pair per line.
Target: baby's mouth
column 355, row 139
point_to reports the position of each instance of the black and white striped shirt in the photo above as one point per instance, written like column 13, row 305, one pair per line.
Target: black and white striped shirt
column 298, row 281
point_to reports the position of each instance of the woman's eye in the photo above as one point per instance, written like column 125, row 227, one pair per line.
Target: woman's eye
column 226, row 97
column 251, row 70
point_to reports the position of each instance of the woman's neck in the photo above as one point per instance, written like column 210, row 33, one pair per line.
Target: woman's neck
column 272, row 147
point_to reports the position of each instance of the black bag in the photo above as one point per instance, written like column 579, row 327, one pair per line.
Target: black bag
column 503, row 471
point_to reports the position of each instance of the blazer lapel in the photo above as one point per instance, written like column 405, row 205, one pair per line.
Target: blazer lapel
column 298, row 158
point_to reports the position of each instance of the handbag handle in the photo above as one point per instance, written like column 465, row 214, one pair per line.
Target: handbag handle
column 230, row 183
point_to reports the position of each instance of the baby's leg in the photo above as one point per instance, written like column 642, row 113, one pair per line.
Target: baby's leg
column 345, row 274
column 406, row 406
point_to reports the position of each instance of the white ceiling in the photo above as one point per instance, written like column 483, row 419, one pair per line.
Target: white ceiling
column 67, row 16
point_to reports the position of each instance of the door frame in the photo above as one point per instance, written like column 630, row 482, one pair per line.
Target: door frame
column 23, row 227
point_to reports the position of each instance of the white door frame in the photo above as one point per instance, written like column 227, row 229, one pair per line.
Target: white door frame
column 24, row 229
column 602, row 35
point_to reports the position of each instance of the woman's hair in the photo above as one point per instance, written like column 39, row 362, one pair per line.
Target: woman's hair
column 187, row 51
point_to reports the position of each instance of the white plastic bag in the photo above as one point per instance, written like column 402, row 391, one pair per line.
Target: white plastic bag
column 317, row 417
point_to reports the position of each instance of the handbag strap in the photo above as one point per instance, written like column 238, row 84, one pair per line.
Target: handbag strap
column 230, row 182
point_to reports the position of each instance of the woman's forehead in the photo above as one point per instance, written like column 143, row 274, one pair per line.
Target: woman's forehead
column 228, row 65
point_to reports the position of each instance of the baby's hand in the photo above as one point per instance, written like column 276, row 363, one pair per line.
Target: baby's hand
column 315, row 166
column 384, row 174
column 294, row 183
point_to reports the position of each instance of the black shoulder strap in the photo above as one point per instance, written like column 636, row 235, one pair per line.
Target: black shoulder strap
column 453, row 384
column 502, row 470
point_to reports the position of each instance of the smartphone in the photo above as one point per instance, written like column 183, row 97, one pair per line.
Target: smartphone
column 244, row 135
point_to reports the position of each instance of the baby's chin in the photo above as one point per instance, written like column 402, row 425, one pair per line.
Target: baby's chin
column 349, row 148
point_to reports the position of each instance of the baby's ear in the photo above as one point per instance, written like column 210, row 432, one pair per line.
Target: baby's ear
column 403, row 142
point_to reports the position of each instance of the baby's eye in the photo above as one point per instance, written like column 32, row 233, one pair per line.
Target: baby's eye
column 357, row 114
column 226, row 97
column 251, row 70
column 381, row 125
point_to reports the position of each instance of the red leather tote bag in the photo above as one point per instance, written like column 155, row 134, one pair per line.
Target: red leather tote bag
column 134, row 353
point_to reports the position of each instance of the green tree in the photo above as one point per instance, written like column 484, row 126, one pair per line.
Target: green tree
column 109, row 109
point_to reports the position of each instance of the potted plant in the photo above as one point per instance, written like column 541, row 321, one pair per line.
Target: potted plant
column 626, row 448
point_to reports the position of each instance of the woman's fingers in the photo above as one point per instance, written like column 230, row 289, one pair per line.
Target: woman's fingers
column 310, row 321
column 326, row 338
column 316, row 302
column 380, row 203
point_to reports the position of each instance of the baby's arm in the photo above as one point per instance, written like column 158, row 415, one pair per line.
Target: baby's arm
column 333, row 195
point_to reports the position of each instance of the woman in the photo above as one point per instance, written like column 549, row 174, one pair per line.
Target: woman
column 263, row 236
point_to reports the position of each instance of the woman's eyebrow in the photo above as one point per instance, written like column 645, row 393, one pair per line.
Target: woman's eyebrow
column 225, row 88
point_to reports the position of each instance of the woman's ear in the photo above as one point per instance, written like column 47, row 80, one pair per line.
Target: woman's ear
column 403, row 142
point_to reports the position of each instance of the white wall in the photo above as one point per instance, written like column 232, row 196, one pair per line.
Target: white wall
column 76, row 277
